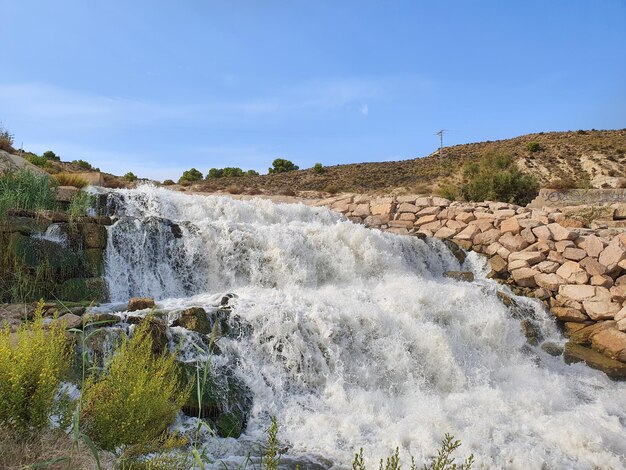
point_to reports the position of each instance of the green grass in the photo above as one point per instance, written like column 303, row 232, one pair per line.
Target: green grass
column 25, row 190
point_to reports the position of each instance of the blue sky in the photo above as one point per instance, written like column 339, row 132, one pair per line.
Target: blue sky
column 157, row 87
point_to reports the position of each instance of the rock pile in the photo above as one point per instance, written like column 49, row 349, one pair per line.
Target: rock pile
column 579, row 273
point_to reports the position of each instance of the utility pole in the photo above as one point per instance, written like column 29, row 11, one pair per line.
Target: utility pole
column 440, row 134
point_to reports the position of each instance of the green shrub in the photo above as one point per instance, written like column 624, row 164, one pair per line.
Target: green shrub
column 31, row 368
column 533, row 147
column 318, row 169
column 6, row 140
column 252, row 173
column 190, row 176
column 229, row 172
column 83, row 165
column 50, row 155
column 36, row 160
column 25, row 190
column 136, row 398
column 280, row 165
column 168, row 183
column 495, row 178
column 130, row 177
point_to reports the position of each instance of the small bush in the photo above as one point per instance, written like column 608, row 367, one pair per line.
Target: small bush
column 50, row 155
column 130, row 177
column 318, row 169
column 495, row 177
column 41, row 162
column 25, row 190
column 190, row 176
column 280, row 165
column 562, row 183
column 136, row 398
column 168, row 183
column 80, row 205
column 31, row 368
column 83, row 165
column 331, row 189
column 6, row 140
column 71, row 179
column 252, row 173
column 533, row 147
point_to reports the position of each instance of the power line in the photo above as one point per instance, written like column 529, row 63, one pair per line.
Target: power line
column 440, row 134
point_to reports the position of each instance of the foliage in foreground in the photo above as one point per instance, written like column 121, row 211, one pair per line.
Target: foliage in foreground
column 136, row 398
column 31, row 367
column 443, row 461
column 25, row 190
column 494, row 178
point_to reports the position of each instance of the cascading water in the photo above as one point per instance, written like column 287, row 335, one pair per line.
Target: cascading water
column 355, row 339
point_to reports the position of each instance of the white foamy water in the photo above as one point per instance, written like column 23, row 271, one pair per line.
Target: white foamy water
column 357, row 340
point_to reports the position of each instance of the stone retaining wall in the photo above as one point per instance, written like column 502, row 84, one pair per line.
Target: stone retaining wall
column 579, row 273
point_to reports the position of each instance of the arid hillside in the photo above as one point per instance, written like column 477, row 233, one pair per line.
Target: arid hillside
column 579, row 157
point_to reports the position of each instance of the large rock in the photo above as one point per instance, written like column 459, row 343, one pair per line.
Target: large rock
column 576, row 353
column 593, row 267
column 578, row 293
column 573, row 273
column 601, row 310
column 612, row 255
column 83, row 290
column 525, row 277
column 568, row 314
column 140, row 303
column 610, row 342
column 561, row 233
column 194, row 319
column 66, row 193
column 531, row 257
column 574, row 254
column 552, row 282
column 498, row 265
column 510, row 226
column 513, row 242
column 593, row 246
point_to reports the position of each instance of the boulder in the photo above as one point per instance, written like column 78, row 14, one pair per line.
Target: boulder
column 510, row 226
column 498, row 265
column 407, row 207
column 593, row 267
column 601, row 310
column 574, row 254
column 584, row 334
column 578, row 293
column 465, row 217
column 573, row 273
column 66, row 193
column 552, row 282
column 83, row 289
column 425, row 220
column 485, row 238
column 531, row 257
column 542, row 232
column 468, row 233
column 140, row 303
column 445, row 232
column 568, row 314
column 513, row 242
column 194, row 319
column 593, row 246
column 528, row 236
column 612, row 255
column 69, row 320
column 93, row 235
column 525, row 277
column 99, row 320
column 610, row 342
column 618, row 294
column 561, row 233
column 548, row 267
column 466, row 276
column 601, row 281
column 576, row 353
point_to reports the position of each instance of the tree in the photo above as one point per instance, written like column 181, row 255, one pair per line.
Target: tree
column 280, row 165
column 130, row 177
column 318, row 169
column 6, row 140
column 190, row 176
column 252, row 173
column 50, row 155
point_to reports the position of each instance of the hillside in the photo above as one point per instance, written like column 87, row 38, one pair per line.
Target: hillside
column 593, row 156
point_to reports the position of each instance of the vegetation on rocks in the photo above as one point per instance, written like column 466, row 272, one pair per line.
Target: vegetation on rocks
column 137, row 398
column 494, row 178
column 23, row 190
column 31, row 367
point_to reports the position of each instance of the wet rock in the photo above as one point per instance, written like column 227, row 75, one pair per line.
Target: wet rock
column 100, row 319
column 93, row 235
column 194, row 319
column 531, row 331
column 576, row 353
column 610, row 342
column 157, row 329
column 226, row 299
column 458, row 253
column 176, row 231
column 466, row 276
column 552, row 348
column 140, row 303
column 69, row 320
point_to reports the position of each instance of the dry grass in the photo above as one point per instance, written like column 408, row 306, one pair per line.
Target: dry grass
column 19, row 451
column 70, row 179
column 562, row 156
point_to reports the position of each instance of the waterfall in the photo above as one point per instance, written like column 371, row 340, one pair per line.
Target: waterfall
column 356, row 339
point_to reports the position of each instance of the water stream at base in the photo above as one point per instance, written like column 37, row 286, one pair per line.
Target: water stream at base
column 357, row 340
